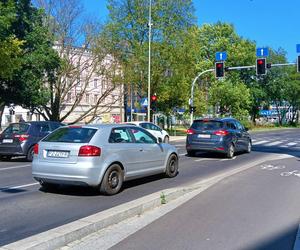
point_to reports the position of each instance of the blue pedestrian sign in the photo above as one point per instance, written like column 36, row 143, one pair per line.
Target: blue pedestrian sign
column 144, row 102
column 221, row 56
column 298, row 48
column 262, row 52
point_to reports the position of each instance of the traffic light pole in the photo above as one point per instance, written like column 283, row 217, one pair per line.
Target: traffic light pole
column 191, row 102
column 192, row 90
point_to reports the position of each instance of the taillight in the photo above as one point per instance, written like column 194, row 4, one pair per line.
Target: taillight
column 190, row 131
column 36, row 149
column 89, row 150
column 221, row 132
column 22, row 137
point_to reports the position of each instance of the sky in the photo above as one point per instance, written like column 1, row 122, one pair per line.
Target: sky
column 270, row 23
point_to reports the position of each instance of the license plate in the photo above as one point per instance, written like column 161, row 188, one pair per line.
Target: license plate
column 203, row 136
column 7, row 141
column 58, row 154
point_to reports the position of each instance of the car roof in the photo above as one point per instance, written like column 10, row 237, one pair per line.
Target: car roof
column 216, row 119
column 102, row 125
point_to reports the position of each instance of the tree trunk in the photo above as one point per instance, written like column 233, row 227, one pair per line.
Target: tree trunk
column 2, row 106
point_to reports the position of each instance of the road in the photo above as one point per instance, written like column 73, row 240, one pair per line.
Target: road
column 26, row 209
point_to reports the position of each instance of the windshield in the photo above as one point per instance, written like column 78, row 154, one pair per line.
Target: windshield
column 207, row 125
column 71, row 135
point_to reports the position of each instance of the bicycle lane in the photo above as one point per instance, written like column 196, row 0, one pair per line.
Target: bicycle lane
column 255, row 209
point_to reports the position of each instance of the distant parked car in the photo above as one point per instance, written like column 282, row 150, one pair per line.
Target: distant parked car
column 222, row 135
column 154, row 130
column 101, row 156
column 18, row 139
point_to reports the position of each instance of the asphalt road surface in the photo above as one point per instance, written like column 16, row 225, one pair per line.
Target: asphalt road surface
column 26, row 209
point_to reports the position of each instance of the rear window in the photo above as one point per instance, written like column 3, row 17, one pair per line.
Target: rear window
column 71, row 135
column 17, row 129
column 207, row 125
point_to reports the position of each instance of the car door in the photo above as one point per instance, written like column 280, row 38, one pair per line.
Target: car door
column 244, row 136
column 235, row 134
column 152, row 152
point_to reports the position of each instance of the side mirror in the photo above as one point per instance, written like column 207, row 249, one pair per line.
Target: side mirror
column 247, row 129
column 159, row 140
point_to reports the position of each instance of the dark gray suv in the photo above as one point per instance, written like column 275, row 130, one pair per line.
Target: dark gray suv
column 18, row 139
column 222, row 135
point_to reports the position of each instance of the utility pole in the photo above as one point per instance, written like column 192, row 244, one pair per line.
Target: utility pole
column 149, row 65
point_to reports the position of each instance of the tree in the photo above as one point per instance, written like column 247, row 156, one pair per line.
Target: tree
column 231, row 97
column 85, row 54
column 33, row 59
column 128, row 29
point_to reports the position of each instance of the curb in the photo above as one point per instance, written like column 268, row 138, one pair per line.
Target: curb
column 65, row 234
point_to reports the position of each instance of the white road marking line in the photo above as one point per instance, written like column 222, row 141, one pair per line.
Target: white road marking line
column 234, row 157
column 179, row 145
column 24, row 166
column 17, row 187
column 291, row 144
column 259, row 142
column 207, row 159
column 274, row 143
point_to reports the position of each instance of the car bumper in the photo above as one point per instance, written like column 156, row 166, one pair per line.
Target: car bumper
column 78, row 174
column 211, row 147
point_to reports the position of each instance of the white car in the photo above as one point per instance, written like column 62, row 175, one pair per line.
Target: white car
column 154, row 130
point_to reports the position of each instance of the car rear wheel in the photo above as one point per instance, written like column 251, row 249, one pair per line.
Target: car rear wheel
column 112, row 180
column 29, row 156
column 191, row 152
column 166, row 139
column 172, row 166
column 230, row 151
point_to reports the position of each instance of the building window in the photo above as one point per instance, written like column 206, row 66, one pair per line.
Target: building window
column 95, row 83
column 87, row 98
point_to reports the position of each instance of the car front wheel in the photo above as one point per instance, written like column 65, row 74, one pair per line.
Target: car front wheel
column 112, row 180
column 249, row 147
column 172, row 166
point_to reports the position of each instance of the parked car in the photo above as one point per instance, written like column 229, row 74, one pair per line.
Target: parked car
column 101, row 156
column 154, row 130
column 18, row 139
column 222, row 135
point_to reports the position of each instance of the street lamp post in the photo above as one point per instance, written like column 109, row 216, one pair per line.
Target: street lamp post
column 149, row 65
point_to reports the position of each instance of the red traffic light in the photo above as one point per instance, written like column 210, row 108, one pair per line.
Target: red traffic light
column 261, row 66
column 154, row 98
column 219, row 69
column 260, row 62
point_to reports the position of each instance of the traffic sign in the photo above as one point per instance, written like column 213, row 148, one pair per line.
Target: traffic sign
column 221, row 56
column 144, row 102
column 262, row 52
column 298, row 48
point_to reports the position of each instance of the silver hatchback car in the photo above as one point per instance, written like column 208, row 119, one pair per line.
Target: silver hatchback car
column 102, row 156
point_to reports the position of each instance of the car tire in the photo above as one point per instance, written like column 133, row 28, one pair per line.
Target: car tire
column 29, row 156
column 230, row 151
column 172, row 166
column 191, row 153
column 112, row 180
column 166, row 139
column 249, row 147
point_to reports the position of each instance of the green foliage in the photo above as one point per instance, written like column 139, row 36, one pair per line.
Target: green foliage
column 36, row 60
column 232, row 97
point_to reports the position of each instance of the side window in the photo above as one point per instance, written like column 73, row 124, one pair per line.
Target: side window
column 119, row 135
column 231, row 125
column 145, row 125
column 239, row 126
column 44, row 128
column 142, row 136
column 154, row 127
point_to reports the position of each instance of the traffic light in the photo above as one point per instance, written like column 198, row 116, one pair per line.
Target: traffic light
column 219, row 69
column 298, row 64
column 261, row 66
column 154, row 102
column 192, row 109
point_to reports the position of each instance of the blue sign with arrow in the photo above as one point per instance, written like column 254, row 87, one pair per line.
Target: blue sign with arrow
column 298, row 48
column 221, row 56
column 262, row 52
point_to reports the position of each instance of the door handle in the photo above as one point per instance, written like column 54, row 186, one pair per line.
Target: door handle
column 141, row 150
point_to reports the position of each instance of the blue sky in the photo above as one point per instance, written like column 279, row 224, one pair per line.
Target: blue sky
column 272, row 23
